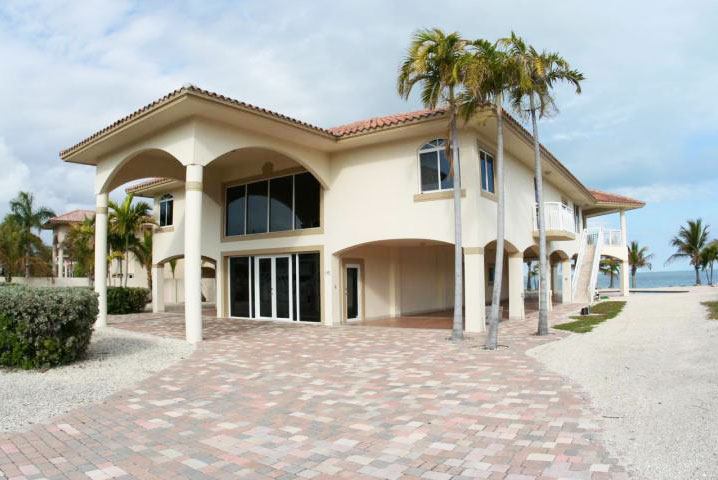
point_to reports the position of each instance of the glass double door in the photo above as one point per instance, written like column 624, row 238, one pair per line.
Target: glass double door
column 273, row 287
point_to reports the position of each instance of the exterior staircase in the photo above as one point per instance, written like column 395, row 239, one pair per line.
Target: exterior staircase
column 586, row 271
column 584, row 276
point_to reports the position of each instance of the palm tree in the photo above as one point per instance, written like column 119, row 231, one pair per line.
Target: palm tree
column 23, row 210
column 142, row 250
column 11, row 247
column 689, row 244
column 537, row 74
column 80, row 245
column 126, row 219
column 610, row 266
column 434, row 61
column 638, row 257
column 489, row 75
column 709, row 255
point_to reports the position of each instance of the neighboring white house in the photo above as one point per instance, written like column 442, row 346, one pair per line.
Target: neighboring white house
column 349, row 223
column 64, row 265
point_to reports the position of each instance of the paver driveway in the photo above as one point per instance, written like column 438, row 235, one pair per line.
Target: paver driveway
column 267, row 400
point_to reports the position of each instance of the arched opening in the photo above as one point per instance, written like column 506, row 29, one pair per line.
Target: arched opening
column 512, row 283
column 171, row 288
column 399, row 283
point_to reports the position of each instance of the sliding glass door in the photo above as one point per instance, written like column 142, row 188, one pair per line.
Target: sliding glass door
column 273, row 287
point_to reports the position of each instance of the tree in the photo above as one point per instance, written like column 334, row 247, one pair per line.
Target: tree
column 689, row 244
column 489, row 75
column 80, row 245
column 142, row 250
column 638, row 257
column 23, row 212
column 434, row 62
column 11, row 248
column 126, row 219
column 709, row 255
column 537, row 73
column 610, row 266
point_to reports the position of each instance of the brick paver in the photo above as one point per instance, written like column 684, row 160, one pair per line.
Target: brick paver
column 268, row 400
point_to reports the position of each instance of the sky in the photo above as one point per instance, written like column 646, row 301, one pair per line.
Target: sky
column 645, row 126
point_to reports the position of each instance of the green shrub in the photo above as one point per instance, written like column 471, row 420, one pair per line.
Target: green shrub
column 122, row 300
column 45, row 327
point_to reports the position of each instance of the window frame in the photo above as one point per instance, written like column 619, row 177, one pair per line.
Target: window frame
column 484, row 156
column 165, row 199
column 268, row 180
column 437, row 148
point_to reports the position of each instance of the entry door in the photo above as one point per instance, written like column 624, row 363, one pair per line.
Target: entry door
column 353, row 307
column 273, row 287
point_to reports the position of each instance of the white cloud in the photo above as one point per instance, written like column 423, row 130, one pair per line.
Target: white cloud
column 15, row 173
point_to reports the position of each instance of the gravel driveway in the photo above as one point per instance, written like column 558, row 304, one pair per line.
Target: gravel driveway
column 652, row 372
column 116, row 359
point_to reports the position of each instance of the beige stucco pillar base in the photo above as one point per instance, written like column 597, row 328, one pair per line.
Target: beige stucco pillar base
column 193, row 254
column 625, row 275
column 516, row 286
column 158, row 288
column 474, row 290
column 566, row 294
column 101, row 258
column 220, row 287
column 334, row 301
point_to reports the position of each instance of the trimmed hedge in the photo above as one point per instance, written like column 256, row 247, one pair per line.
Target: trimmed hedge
column 122, row 300
column 45, row 327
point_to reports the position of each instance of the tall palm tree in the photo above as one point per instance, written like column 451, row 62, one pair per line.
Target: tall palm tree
column 709, row 255
column 689, row 243
column 23, row 210
column 142, row 250
column 638, row 257
column 610, row 266
column 434, row 62
column 80, row 245
column 126, row 219
column 489, row 76
column 537, row 75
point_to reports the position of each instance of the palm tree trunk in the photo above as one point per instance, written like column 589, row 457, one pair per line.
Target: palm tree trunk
column 125, row 274
column 493, row 333
column 544, row 292
column 27, row 258
column 457, row 330
column 698, row 275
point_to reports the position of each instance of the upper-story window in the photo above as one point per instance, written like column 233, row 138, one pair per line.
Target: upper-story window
column 275, row 205
column 434, row 167
column 166, row 208
column 487, row 172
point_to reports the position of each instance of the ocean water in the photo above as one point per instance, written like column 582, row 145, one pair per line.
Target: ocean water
column 648, row 279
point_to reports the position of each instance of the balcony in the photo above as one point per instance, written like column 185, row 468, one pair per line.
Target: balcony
column 560, row 222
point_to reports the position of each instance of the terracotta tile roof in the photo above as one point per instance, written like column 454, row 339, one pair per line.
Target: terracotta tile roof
column 386, row 121
column 605, row 197
column 75, row 216
column 147, row 183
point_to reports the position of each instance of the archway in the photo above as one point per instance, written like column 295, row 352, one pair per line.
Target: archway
column 512, row 280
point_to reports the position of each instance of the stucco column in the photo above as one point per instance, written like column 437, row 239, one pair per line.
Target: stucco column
column 334, row 291
column 624, row 231
column 193, row 254
column 158, row 288
column 101, row 258
column 474, row 290
column 516, row 286
column 549, row 282
column 625, row 274
column 394, row 283
column 219, row 287
column 566, row 294
column 61, row 262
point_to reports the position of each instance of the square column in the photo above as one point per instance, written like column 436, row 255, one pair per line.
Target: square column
column 101, row 258
column 61, row 262
column 566, row 294
column 158, row 288
column 220, row 286
column 333, row 291
column 549, row 282
column 193, row 254
column 516, row 286
column 394, row 283
column 474, row 290
column 624, row 277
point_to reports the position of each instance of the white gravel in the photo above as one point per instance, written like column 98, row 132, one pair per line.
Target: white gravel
column 652, row 372
column 116, row 359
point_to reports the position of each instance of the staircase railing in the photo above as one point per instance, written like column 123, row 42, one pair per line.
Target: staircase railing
column 594, row 267
column 579, row 259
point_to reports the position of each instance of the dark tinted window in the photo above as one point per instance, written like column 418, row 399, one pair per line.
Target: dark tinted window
column 309, row 288
column 240, row 292
column 280, row 204
column 236, row 208
column 257, row 207
column 429, row 173
column 306, row 201
column 487, row 172
column 447, row 180
column 166, row 208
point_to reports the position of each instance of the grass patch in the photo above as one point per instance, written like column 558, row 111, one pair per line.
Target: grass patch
column 712, row 309
column 599, row 313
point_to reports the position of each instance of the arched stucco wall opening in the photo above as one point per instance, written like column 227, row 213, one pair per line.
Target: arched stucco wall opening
column 173, row 283
column 401, row 282
column 143, row 164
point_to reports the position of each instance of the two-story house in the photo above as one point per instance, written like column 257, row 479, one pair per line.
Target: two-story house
column 351, row 223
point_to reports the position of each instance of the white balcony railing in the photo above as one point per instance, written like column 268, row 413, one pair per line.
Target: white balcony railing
column 558, row 217
column 612, row 238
